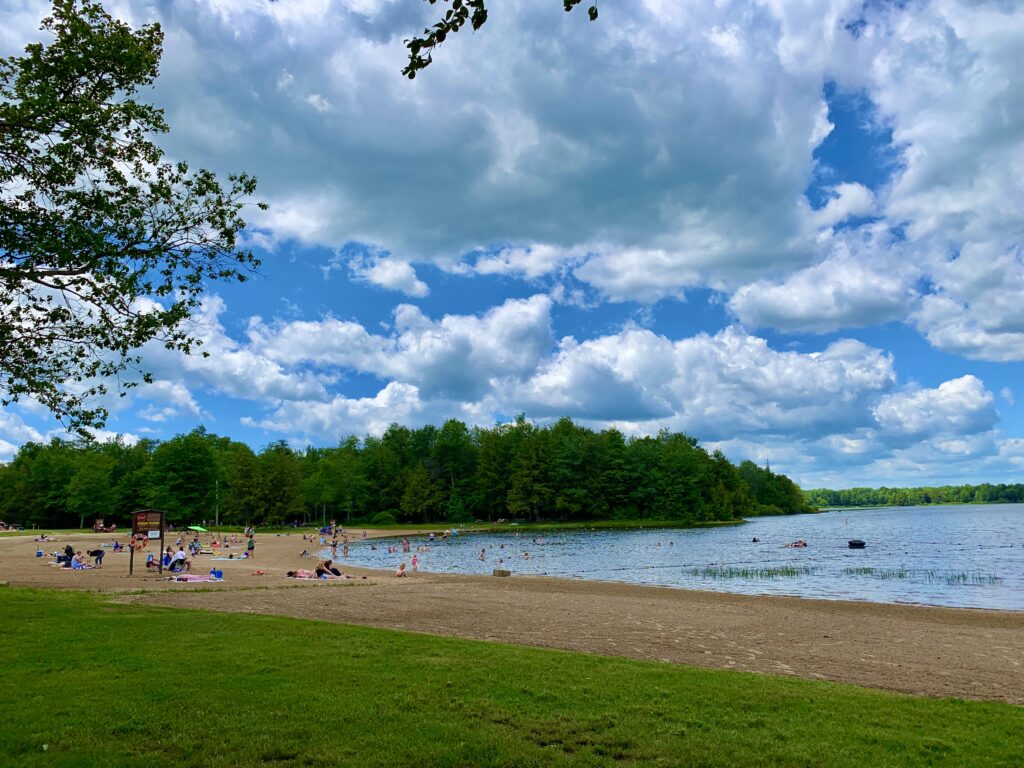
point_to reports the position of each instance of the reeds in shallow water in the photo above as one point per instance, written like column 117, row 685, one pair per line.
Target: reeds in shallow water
column 951, row 578
column 729, row 572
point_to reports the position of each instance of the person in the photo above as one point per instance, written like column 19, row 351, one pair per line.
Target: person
column 250, row 546
column 415, row 563
column 78, row 562
column 69, row 555
column 330, row 568
column 97, row 557
column 180, row 562
column 117, row 546
column 302, row 573
column 401, row 570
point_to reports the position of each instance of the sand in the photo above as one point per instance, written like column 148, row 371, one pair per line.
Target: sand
column 967, row 653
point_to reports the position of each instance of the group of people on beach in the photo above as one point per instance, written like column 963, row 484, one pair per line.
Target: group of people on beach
column 326, row 571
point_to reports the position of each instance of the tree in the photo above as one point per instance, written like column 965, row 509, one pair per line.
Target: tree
column 90, row 492
column 182, row 478
column 104, row 246
column 279, row 484
column 460, row 11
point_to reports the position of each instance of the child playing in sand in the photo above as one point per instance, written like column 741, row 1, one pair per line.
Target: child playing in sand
column 401, row 570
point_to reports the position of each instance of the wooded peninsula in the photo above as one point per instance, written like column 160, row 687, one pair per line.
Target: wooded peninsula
column 453, row 473
column 986, row 493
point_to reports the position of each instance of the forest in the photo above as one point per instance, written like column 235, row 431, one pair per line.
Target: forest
column 986, row 493
column 453, row 473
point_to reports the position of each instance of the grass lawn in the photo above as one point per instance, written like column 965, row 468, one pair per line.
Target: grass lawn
column 110, row 685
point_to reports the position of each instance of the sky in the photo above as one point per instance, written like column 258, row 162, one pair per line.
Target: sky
column 793, row 229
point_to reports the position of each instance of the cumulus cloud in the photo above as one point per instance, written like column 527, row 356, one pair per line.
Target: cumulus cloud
column 455, row 358
column 977, row 309
column 14, row 432
column 854, row 286
column 959, row 407
column 389, row 273
column 341, row 415
column 846, row 200
column 716, row 386
column 227, row 366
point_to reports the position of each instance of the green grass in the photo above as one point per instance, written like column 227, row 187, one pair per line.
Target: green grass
column 104, row 684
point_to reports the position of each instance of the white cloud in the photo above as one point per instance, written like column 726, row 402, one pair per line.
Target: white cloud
column 229, row 367
column 729, row 384
column 454, row 358
column 14, row 431
column 530, row 261
column 845, row 200
column 977, row 310
column 956, row 408
column 343, row 416
column 389, row 273
column 854, row 286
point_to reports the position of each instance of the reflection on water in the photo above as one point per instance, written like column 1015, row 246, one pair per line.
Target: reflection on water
column 963, row 556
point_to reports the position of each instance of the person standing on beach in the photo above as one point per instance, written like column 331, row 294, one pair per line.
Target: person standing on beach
column 250, row 547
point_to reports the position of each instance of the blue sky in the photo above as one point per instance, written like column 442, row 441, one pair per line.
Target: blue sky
column 791, row 229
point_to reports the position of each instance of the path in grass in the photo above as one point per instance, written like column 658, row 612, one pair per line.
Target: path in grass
column 113, row 685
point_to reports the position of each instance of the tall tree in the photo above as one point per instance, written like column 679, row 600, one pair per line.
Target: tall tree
column 104, row 246
column 279, row 483
column 182, row 478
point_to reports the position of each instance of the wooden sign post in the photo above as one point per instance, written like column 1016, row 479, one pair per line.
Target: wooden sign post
column 148, row 523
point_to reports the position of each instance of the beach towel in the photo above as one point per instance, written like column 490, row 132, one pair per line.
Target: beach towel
column 191, row 578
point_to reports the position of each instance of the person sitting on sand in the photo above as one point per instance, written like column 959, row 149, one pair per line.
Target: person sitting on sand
column 401, row 570
column 326, row 570
column 116, row 546
column 78, row 562
column 180, row 561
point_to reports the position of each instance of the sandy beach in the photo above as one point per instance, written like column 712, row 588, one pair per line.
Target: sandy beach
column 975, row 654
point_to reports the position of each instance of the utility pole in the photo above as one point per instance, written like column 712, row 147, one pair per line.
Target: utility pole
column 217, row 486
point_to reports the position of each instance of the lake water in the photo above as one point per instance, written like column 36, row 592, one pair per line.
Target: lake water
column 961, row 556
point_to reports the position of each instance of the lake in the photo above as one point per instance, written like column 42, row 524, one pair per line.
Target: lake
column 959, row 556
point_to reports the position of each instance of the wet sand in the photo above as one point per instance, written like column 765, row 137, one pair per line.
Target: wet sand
column 967, row 653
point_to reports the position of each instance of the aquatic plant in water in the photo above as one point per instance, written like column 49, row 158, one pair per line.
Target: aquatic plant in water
column 729, row 572
column 951, row 578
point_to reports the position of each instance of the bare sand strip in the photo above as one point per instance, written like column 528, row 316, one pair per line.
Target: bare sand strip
column 965, row 653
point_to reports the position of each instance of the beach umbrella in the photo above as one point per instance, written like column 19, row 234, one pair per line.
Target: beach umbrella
column 197, row 528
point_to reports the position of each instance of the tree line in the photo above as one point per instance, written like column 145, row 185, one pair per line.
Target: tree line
column 986, row 493
column 451, row 473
